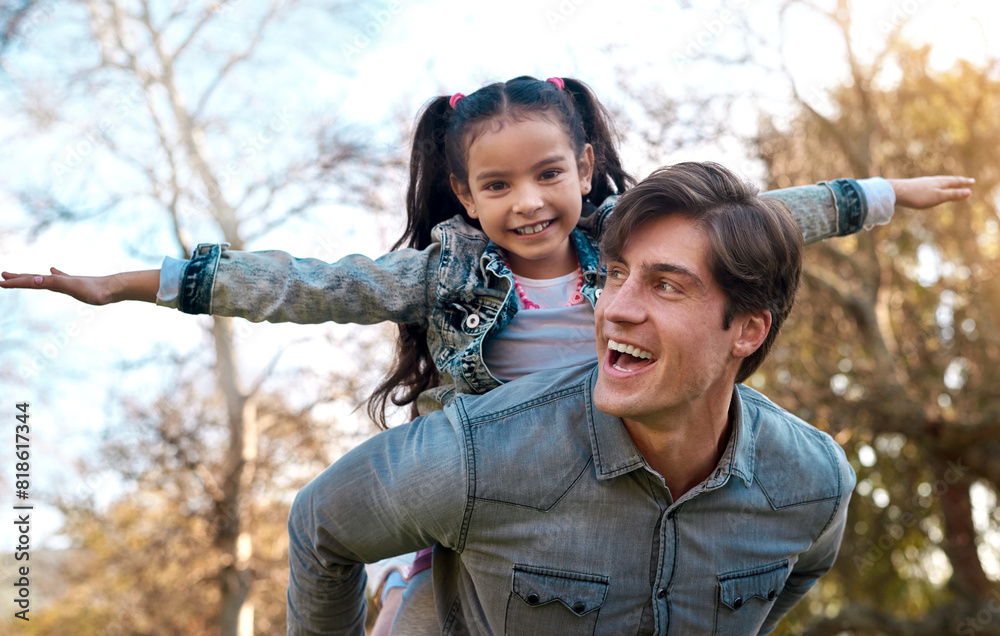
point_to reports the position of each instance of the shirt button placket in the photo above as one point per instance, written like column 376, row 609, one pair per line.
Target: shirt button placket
column 667, row 558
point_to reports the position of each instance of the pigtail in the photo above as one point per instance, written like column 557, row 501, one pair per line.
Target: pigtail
column 412, row 373
column 429, row 199
column 609, row 175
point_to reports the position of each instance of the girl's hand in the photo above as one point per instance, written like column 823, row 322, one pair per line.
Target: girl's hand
column 926, row 192
column 93, row 290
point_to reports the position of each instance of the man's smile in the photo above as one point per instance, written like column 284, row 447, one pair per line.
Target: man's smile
column 628, row 358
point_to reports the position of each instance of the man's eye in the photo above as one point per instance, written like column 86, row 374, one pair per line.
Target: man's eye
column 616, row 273
column 666, row 286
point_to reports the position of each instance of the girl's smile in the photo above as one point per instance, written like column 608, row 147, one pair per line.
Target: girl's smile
column 529, row 230
column 526, row 188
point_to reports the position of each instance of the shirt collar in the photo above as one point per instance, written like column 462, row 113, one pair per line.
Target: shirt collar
column 615, row 454
column 738, row 458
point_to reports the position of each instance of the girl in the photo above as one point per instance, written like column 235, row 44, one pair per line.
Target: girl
column 509, row 191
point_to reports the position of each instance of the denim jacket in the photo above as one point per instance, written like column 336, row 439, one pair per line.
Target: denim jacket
column 459, row 288
column 548, row 520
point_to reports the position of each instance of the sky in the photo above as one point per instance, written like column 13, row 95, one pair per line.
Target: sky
column 380, row 63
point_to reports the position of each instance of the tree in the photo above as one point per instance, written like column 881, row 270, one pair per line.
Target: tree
column 894, row 345
column 186, row 136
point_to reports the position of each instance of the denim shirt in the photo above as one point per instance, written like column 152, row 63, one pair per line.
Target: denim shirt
column 549, row 521
column 459, row 288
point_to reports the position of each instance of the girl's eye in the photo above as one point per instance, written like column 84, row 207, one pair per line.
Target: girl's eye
column 550, row 174
column 496, row 186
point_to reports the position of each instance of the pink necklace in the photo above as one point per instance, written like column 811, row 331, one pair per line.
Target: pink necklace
column 575, row 298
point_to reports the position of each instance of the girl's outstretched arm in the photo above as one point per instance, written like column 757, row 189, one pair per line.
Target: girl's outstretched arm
column 926, row 192
column 845, row 206
column 93, row 290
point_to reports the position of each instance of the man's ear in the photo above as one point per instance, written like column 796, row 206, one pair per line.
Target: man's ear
column 752, row 329
column 462, row 192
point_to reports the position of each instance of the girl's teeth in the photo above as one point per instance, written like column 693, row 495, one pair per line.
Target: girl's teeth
column 531, row 229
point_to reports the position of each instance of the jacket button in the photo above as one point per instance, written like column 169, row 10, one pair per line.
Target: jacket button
column 532, row 599
column 472, row 321
column 771, row 595
column 597, row 293
column 738, row 603
column 660, row 593
column 579, row 607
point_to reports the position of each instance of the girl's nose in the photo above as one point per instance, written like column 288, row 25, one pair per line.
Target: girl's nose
column 528, row 201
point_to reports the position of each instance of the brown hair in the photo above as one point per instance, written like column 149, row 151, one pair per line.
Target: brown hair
column 756, row 245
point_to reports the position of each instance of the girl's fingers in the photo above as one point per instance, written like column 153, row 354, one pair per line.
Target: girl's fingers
column 16, row 281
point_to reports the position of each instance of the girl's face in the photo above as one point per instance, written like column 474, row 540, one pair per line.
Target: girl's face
column 526, row 187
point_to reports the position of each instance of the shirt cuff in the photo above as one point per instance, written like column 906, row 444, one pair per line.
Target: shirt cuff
column 881, row 199
column 170, row 282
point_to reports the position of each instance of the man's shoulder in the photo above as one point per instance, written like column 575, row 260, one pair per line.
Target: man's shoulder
column 795, row 462
column 529, row 440
column 524, row 397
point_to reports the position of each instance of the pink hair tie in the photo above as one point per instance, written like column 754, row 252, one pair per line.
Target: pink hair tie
column 558, row 81
column 455, row 99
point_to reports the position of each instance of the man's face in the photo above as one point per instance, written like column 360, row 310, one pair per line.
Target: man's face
column 661, row 299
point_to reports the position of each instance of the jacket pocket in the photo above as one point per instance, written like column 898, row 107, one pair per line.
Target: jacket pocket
column 746, row 598
column 553, row 602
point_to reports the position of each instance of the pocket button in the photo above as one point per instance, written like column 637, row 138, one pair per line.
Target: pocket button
column 472, row 321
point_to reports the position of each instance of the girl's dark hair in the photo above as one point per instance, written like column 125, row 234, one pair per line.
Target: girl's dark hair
column 440, row 145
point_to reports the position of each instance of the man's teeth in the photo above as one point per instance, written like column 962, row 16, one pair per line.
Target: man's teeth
column 629, row 349
column 531, row 229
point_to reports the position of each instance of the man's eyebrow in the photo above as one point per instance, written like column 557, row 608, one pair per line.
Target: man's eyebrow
column 557, row 158
column 671, row 268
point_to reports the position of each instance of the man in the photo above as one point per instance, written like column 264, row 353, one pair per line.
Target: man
column 647, row 494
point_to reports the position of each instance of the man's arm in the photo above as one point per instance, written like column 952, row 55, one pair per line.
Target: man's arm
column 402, row 490
column 818, row 560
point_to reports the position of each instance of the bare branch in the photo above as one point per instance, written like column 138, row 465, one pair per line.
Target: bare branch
column 234, row 60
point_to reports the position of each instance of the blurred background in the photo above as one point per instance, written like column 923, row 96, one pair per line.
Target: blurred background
column 166, row 448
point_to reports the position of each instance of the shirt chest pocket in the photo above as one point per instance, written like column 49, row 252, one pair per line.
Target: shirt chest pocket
column 553, row 602
column 746, row 597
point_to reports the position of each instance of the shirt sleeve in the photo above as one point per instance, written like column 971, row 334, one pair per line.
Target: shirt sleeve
column 402, row 490
column 839, row 207
column 170, row 281
column 819, row 558
column 881, row 199
column 400, row 286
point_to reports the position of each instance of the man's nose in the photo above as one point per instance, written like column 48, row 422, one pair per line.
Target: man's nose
column 625, row 303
